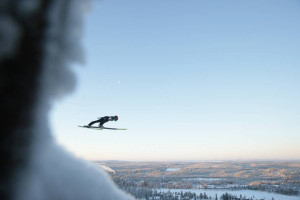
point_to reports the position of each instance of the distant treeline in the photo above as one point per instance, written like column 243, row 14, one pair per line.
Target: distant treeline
column 144, row 193
column 278, row 190
column 123, row 183
column 148, row 194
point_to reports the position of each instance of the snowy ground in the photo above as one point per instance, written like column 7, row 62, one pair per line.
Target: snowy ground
column 172, row 169
column 204, row 179
column 247, row 193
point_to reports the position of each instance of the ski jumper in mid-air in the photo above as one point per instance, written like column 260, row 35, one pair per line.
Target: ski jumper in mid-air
column 103, row 120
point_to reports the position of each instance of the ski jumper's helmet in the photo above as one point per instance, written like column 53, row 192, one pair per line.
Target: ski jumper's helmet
column 116, row 118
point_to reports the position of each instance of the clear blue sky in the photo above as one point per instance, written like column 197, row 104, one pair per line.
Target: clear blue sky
column 191, row 80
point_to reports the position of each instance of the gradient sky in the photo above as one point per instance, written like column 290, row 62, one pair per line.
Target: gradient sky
column 191, row 80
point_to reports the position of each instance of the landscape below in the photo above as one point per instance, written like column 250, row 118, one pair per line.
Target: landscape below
column 207, row 180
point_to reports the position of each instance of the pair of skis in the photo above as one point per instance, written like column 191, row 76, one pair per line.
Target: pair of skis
column 101, row 128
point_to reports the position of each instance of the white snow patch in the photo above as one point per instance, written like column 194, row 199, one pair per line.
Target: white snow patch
column 203, row 179
column 172, row 169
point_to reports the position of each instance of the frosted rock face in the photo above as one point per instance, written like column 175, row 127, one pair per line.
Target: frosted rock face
column 38, row 41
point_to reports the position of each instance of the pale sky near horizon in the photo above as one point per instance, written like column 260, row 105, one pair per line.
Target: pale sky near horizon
column 191, row 80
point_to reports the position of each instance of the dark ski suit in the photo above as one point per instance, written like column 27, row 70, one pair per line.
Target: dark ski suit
column 101, row 121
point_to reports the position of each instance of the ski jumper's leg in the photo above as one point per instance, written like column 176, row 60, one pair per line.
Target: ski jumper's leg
column 94, row 122
column 102, row 121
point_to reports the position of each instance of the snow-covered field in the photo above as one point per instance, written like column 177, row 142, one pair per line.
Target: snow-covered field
column 247, row 193
column 172, row 169
column 204, row 179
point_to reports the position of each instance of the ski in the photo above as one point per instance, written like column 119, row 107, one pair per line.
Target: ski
column 101, row 128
